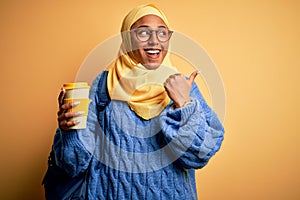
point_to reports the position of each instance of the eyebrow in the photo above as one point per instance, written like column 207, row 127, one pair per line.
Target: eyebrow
column 146, row 26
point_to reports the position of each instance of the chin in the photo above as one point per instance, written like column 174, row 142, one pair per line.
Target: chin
column 152, row 66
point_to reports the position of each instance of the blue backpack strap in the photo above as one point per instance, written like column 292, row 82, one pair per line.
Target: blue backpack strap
column 102, row 96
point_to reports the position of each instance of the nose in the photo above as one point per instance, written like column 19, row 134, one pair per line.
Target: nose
column 153, row 39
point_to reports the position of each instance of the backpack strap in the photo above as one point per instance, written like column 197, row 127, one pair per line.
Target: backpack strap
column 102, row 96
column 57, row 184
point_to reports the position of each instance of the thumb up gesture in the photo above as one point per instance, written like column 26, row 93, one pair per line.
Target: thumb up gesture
column 178, row 88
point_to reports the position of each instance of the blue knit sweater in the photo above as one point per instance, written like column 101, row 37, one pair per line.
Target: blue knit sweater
column 132, row 158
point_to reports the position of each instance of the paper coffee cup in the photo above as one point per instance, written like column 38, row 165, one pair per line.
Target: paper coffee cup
column 78, row 92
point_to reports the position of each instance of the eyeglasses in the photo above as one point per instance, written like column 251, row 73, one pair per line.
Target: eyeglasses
column 144, row 34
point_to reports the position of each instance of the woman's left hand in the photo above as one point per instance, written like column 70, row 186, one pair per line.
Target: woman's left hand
column 178, row 88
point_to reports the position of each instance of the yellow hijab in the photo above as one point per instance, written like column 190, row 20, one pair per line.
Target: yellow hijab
column 130, row 81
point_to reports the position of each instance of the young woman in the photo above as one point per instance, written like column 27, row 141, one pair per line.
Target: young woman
column 155, row 130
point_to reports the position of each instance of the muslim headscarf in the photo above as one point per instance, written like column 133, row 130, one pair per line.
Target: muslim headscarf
column 130, row 81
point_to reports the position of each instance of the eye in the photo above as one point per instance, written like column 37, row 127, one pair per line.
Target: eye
column 162, row 32
column 163, row 35
column 143, row 33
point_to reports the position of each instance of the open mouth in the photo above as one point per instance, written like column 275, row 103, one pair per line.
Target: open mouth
column 153, row 52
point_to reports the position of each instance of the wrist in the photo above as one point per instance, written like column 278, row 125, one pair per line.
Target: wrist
column 185, row 103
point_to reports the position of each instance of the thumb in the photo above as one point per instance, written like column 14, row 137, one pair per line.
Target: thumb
column 193, row 76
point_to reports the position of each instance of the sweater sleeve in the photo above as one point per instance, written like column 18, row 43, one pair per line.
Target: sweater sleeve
column 193, row 133
column 73, row 149
column 70, row 154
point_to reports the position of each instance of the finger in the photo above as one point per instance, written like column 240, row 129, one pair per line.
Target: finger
column 66, row 125
column 65, row 108
column 193, row 76
column 69, row 115
column 70, row 105
column 172, row 77
column 61, row 96
column 72, row 123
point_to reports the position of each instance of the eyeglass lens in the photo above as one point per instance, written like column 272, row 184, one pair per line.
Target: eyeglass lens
column 144, row 34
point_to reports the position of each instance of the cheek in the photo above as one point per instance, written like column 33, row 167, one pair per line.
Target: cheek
column 135, row 48
column 166, row 46
column 135, row 43
column 165, row 51
column 138, row 52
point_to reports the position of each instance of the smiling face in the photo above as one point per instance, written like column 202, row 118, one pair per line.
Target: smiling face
column 152, row 52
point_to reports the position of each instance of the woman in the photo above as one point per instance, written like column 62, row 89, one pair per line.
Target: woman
column 146, row 142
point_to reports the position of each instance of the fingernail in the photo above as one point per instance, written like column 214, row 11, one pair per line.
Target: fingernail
column 80, row 113
column 198, row 72
column 76, row 103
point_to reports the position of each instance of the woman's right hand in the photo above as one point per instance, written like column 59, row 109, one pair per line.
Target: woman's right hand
column 63, row 116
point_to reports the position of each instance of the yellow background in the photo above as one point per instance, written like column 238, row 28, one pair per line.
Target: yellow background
column 255, row 45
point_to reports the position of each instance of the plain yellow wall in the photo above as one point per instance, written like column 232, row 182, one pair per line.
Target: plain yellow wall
column 255, row 45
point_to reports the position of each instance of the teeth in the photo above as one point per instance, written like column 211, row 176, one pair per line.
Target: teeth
column 153, row 51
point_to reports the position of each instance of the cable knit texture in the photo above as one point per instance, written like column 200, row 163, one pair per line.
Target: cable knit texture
column 133, row 158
